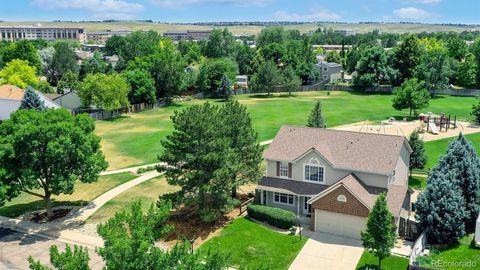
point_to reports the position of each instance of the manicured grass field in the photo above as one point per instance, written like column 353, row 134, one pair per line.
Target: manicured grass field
column 435, row 149
column 417, row 182
column 83, row 194
column 147, row 192
column 135, row 139
column 464, row 251
column 251, row 245
column 370, row 262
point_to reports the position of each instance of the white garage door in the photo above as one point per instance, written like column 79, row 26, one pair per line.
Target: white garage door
column 339, row 224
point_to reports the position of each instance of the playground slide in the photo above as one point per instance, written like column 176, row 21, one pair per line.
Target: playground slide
column 432, row 128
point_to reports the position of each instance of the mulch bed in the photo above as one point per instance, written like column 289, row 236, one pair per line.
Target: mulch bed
column 187, row 224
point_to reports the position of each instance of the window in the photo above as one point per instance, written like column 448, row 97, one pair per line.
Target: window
column 314, row 172
column 283, row 169
column 342, row 198
column 283, row 198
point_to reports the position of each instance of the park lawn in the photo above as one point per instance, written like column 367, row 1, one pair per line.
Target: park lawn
column 135, row 139
column 82, row 195
column 146, row 192
column 251, row 245
column 369, row 261
column 464, row 251
column 435, row 149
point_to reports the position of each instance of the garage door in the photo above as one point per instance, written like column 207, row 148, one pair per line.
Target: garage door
column 339, row 224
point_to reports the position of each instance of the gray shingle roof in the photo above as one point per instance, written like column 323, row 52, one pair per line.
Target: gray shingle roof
column 356, row 151
column 290, row 186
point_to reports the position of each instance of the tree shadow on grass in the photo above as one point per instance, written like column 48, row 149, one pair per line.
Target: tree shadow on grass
column 368, row 267
column 15, row 210
column 272, row 96
column 116, row 119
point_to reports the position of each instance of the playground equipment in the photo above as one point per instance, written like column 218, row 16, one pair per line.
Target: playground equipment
column 437, row 123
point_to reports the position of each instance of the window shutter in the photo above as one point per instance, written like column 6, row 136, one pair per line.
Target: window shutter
column 278, row 168
column 289, row 170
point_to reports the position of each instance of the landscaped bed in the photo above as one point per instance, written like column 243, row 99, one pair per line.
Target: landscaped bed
column 135, row 139
column 369, row 262
column 251, row 245
column 83, row 194
column 463, row 252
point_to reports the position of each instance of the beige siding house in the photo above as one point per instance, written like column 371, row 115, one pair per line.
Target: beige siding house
column 331, row 178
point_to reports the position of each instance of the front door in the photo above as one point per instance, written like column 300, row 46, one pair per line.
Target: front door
column 306, row 206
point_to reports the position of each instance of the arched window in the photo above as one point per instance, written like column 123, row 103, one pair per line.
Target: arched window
column 314, row 172
column 342, row 198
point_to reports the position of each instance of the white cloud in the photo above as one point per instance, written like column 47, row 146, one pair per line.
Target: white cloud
column 317, row 14
column 104, row 9
column 412, row 13
column 425, row 2
column 183, row 3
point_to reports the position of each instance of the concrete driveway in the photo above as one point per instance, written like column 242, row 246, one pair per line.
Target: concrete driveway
column 325, row 251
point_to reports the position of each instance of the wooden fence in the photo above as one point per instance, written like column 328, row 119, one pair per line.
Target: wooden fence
column 244, row 205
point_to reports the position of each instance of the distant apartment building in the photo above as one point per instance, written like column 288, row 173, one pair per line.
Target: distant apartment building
column 333, row 47
column 187, row 35
column 345, row 32
column 102, row 36
column 14, row 33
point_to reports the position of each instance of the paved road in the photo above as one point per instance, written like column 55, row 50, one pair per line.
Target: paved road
column 16, row 247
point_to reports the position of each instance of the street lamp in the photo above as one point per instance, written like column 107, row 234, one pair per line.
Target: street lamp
column 191, row 242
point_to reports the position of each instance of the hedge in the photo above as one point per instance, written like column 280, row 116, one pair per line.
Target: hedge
column 274, row 216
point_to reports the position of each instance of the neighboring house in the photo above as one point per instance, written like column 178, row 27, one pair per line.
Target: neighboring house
column 11, row 97
column 333, row 177
column 329, row 71
column 241, row 82
column 69, row 100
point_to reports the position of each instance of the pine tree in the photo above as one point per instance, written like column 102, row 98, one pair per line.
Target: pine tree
column 380, row 235
column 225, row 88
column 316, row 119
column 418, row 159
column 441, row 208
column 31, row 100
column 463, row 165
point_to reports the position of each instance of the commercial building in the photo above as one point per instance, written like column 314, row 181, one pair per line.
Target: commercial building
column 14, row 33
column 187, row 35
column 103, row 36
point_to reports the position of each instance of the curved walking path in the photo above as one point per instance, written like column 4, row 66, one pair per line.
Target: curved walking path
column 85, row 212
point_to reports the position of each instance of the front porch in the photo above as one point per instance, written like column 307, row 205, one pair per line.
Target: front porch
column 290, row 195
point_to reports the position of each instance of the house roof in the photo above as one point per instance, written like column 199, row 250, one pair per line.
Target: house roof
column 357, row 151
column 329, row 64
column 53, row 96
column 368, row 194
column 364, row 193
column 290, row 186
column 11, row 92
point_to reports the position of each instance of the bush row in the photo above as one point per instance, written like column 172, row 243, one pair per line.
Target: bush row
column 146, row 169
column 274, row 216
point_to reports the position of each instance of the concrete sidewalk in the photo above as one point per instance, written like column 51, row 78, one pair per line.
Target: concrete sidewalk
column 84, row 213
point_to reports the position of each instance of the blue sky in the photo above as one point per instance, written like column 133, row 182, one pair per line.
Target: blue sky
column 428, row 11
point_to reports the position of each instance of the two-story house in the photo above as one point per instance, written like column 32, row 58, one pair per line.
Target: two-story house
column 333, row 177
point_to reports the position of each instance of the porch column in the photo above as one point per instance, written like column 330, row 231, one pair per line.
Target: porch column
column 298, row 205
column 261, row 196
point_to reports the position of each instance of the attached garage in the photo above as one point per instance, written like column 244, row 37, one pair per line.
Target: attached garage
column 339, row 224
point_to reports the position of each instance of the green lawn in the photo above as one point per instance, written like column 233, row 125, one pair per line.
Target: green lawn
column 83, row 194
column 135, row 139
column 251, row 245
column 147, row 192
column 464, row 251
column 370, row 262
column 435, row 149
column 417, row 182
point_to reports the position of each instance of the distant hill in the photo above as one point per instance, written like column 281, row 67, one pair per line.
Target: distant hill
column 251, row 28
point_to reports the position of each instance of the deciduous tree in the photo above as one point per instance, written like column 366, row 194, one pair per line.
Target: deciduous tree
column 19, row 73
column 466, row 75
column 290, row 80
column 418, row 159
column 211, row 72
column 379, row 237
column 407, row 57
column 64, row 60
column 142, row 86
column 411, row 95
column 266, row 78
column 108, row 92
column 45, row 153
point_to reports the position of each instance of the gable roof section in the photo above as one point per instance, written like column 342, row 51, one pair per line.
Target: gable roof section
column 357, row 151
column 11, row 92
column 365, row 194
